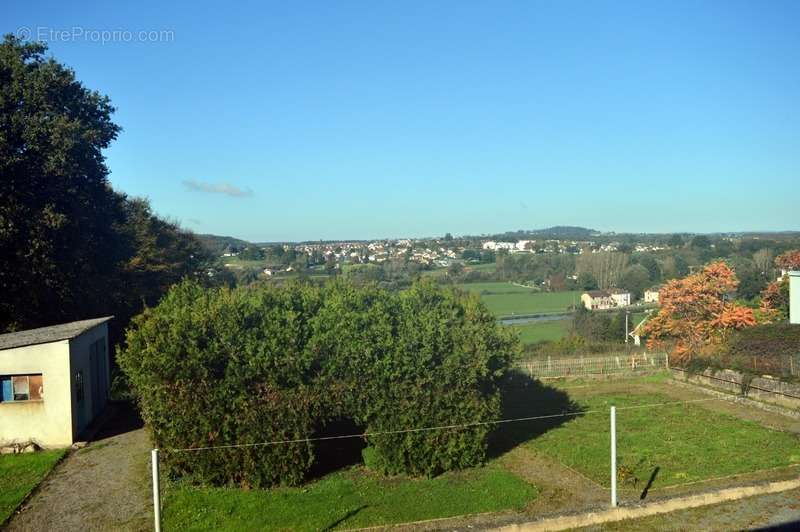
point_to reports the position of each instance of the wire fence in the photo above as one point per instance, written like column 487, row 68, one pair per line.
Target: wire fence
column 630, row 444
column 617, row 363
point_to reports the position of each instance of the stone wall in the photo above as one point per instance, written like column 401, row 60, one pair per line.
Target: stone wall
column 765, row 389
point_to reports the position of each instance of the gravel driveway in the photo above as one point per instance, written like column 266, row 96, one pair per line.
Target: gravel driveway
column 104, row 486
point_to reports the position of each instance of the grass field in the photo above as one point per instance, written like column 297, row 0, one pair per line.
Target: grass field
column 19, row 474
column 678, row 443
column 489, row 267
column 347, row 499
column 531, row 333
column 506, row 299
column 237, row 263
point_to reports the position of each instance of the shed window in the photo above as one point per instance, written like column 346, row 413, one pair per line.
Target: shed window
column 21, row 388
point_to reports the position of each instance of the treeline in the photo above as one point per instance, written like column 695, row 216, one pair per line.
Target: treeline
column 71, row 246
column 751, row 258
column 391, row 275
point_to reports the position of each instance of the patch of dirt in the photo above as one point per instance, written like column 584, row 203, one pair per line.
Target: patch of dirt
column 560, row 488
column 104, row 486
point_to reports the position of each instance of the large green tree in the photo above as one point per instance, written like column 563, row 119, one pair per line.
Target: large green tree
column 635, row 278
column 71, row 246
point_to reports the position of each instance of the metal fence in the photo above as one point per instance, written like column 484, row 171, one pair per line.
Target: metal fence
column 611, row 364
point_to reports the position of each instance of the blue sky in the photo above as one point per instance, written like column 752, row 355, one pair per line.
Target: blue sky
column 368, row 119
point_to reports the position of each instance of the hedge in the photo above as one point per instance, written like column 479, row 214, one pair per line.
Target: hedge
column 212, row 367
column 771, row 349
column 763, row 349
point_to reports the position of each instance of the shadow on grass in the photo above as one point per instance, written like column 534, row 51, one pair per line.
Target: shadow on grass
column 650, row 483
column 522, row 397
column 525, row 397
column 344, row 518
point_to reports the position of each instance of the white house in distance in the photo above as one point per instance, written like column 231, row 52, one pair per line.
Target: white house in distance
column 53, row 382
column 605, row 299
column 651, row 295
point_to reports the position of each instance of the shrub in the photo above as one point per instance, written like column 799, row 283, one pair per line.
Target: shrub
column 763, row 349
column 214, row 367
column 772, row 349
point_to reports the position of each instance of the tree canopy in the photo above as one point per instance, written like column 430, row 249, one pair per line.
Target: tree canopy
column 696, row 311
column 72, row 247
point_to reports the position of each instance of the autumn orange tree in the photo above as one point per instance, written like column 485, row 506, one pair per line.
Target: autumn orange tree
column 696, row 312
column 775, row 297
column 789, row 261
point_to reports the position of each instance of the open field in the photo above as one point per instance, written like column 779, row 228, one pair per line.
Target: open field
column 542, row 331
column 347, row 499
column 536, row 467
column 241, row 264
column 19, row 474
column 489, row 267
column 672, row 444
column 506, row 299
column 440, row 272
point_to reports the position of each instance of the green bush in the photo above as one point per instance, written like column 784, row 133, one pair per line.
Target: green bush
column 772, row 349
column 223, row 366
column 766, row 349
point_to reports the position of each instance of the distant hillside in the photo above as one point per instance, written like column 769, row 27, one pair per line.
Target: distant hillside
column 566, row 232
column 217, row 245
column 559, row 232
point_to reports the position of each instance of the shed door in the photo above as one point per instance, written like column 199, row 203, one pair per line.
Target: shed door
column 7, row 390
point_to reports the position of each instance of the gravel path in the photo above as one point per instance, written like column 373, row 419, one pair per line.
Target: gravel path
column 104, row 486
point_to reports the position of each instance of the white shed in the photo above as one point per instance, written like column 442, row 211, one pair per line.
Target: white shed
column 53, row 382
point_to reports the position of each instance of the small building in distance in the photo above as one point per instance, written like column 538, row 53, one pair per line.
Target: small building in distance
column 651, row 295
column 605, row 299
column 53, row 382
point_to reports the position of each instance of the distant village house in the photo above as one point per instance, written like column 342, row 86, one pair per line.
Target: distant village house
column 605, row 299
column 651, row 295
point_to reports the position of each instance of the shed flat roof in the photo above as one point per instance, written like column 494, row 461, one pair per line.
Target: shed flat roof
column 45, row 335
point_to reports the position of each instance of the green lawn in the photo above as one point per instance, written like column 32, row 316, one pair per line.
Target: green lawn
column 531, row 333
column 686, row 442
column 346, row 499
column 506, row 299
column 19, row 474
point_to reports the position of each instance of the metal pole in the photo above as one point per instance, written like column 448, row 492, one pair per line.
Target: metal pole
column 156, row 491
column 613, row 456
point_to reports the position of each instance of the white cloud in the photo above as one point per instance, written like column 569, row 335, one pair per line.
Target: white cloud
column 217, row 188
